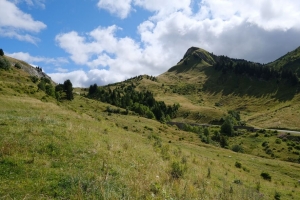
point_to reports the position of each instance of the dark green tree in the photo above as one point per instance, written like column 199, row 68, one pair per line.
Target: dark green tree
column 227, row 127
column 49, row 89
column 68, row 88
column 42, row 85
column 93, row 89
column 4, row 64
column 223, row 141
column 1, row 52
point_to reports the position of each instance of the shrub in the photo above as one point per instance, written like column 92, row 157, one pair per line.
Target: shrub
column 18, row 66
column 177, row 170
column 227, row 127
column 34, row 79
column 223, row 141
column 42, row 86
column 238, row 164
column 1, row 52
column 4, row 64
column 266, row 176
column 277, row 195
column 237, row 148
column 269, row 151
column 237, row 181
column 264, row 144
column 278, row 141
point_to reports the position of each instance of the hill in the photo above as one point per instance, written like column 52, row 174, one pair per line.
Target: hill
column 208, row 86
column 61, row 149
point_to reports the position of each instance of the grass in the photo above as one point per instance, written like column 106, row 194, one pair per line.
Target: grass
column 51, row 151
column 76, row 150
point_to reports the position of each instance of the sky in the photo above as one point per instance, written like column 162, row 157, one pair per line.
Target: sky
column 107, row 41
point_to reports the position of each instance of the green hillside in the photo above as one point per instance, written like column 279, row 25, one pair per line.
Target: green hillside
column 207, row 86
column 290, row 61
column 53, row 148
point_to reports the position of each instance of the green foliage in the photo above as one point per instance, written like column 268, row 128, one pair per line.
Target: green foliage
column 50, row 90
column 266, row 176
column 237, row 148
column 42, row 85
column 1, row 52
column 93, row 89
column 177, row 170
column 206, row 132
column 277, row 195
column 223, row 141
column 256, row 70
column 238, row 164
column 46, row 80
column 227, row 127
column 142, row 103
column 34, row 79
column 18, row 65
column 278, row 141
column 235, row 114
column 4, row 63
column 68, row 88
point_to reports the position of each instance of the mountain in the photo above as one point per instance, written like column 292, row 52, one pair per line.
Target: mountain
column 59, row 149
column 207, row 86
column 290, row 61
column 210, row 85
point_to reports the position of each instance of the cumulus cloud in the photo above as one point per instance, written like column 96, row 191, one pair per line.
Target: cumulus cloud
column 266, row 14
column 119, row 7
column 258, row 30
column 38, row 59
column 14, row 22
column 166, row 7
column 81, row 78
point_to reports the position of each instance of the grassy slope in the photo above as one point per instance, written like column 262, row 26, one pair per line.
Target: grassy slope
column 289, row 61
column 207, row 94
column 74, row 150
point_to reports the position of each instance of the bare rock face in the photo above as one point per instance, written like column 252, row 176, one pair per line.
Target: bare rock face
column 31, row 70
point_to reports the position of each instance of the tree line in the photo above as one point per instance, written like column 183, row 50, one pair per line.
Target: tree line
column 257, row 70
column 128, row 98
column 60, row 91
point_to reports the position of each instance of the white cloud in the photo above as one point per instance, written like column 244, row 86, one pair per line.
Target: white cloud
column 258, row 30
column 31, row 3
column 80, row 78
column 119, row 7
column 14, row 22
column 61, row 70
column 38, row 59
column 266, row 14
column 165, row 7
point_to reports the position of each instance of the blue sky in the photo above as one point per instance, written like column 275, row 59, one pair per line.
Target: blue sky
column 105, row 41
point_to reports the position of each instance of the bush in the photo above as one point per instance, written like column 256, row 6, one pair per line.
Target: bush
column 1, row 52
column 227, row 127
column 278, row 141
column 34, row 79
column 269, row 151
column 264, row 144
column 266, row 176
column 4, row 64
column 177, row 170
column 238, row 164
column 237, row 148
column 277, row 195
column 223, row 141
column 18, row 66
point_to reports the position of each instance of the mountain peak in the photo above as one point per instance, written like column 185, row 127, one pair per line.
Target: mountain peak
column 190, row 51
column 200, row 54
